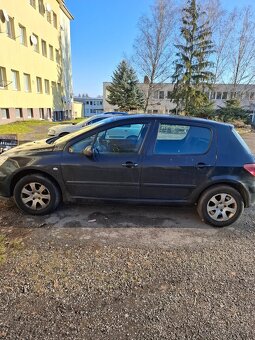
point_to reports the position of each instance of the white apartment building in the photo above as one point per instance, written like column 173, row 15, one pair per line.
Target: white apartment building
column 91, row 106
column 160, row 101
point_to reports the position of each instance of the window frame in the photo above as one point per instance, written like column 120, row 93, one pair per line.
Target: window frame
column 176, row 123
column 39, row 89
column 15, row 75
column 7, row 113
column 27, row 82
column 10, row 28
column 3, row 78
column 44, row 48
column 23, row 35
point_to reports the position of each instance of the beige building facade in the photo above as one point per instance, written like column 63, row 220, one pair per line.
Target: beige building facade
column 160, row 101
column 35, row 60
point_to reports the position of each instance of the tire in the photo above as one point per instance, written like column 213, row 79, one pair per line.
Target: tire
column 63, row 134
column 36, row 195
column 220, row 206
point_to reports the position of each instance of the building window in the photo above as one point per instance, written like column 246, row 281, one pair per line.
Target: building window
column 59, row 88
column 161, row 95
column 41, row 113
column 44, row 48
column 39, row 84
column 47, row 86
column 30, row 113
column 18, row 113
column 87, row 103
column 213, row 95
column 49, row 16
column 218, row 95
column 155, row 95
column 15, row 80
column 155, row 111
column 27, row 82
column 3, row 82
column 36, row 46
column 233, row 95
column 168, row 95
column 10, row 28
column 5, row 114
column 41, row 7
column 32, row 3
column 51, row 52
column 48, row 113
column 57, row 56
column 53, row 87
column 55, row 20
column 22, row 35
column 224, row 95
column 252, row 96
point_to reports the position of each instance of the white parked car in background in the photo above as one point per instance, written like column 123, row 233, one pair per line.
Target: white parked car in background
column 64, row 129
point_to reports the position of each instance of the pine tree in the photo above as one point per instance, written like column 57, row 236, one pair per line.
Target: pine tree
column 124, row 91
column 192, row 67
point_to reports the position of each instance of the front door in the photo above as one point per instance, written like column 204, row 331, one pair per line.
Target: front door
column 180, row 158
column 113, row 171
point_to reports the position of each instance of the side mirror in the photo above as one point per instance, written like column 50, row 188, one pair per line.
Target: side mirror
column 89, row 151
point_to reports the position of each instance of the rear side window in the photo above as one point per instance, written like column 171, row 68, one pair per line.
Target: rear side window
column 182, row 139
column 241, row 141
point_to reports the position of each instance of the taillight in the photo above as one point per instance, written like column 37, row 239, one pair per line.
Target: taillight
column 250, row 168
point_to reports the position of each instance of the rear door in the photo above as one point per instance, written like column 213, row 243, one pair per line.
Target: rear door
column 180, row 158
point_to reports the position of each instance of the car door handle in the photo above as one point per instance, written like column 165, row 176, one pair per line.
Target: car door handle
column 129, row 165
column 202, row 165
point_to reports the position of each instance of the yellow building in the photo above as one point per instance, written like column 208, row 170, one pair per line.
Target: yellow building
column 35, row 60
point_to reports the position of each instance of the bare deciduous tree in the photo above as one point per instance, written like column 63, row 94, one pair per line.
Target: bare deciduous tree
column 242, row 49
column 154, row 45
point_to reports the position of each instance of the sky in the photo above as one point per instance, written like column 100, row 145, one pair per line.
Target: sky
column 103, row 33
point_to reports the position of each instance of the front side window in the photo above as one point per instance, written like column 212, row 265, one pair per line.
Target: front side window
column 182, row 139
column 117, row 140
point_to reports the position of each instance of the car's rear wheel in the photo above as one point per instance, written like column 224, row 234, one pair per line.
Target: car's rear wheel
column 36, row 195
column 220, row 206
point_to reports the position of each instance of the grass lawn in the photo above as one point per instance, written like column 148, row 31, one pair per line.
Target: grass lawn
column 37, row 127
column 23, row 127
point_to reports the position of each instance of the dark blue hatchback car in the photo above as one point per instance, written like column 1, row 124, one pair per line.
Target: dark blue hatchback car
column 156, row 159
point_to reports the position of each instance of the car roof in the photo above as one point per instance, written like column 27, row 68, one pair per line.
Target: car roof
column 183, row 119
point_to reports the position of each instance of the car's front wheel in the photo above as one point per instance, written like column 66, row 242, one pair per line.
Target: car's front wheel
column 220, row 206
column 36, row 195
